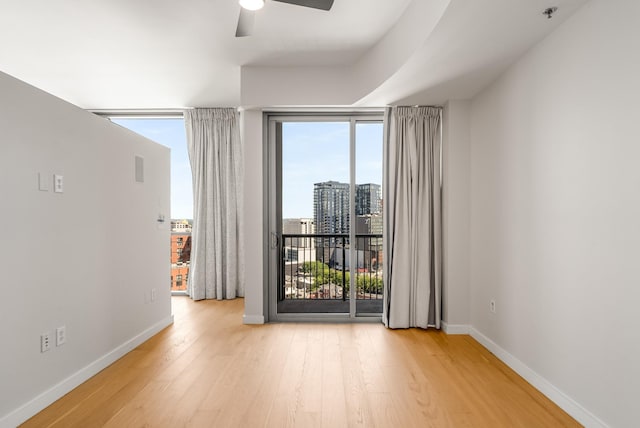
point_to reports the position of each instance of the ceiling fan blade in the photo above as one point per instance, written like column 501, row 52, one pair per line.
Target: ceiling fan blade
column 245, row 23
column 316, row 4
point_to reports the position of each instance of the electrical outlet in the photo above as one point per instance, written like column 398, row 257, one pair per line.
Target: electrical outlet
column 61, row 335
column 154, row 292
column 45, row 342
column 58, row 183
column 492, row 306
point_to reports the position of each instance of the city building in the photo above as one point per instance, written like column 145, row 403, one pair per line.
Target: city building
column 295, row 226
column 179, row 277
column 296, row 248
column 331, row 207
column 180, row 253
column 183, row 226
column 368, row 199
column 370, row 224
column 299, row 226
column 331, row 204
column 180, row 259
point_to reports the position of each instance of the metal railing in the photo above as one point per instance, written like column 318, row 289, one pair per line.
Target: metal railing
column 319, row 267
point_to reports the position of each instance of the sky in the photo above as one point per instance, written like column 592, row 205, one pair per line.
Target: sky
column 312, row 152
column 170, row 133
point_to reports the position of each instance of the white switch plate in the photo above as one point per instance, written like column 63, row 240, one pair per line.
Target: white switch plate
column 43, row 182
column 61, row 335
column 58, row 183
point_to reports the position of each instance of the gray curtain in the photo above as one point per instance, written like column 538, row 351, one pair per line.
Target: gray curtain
column 412, row 218
column 215, row 153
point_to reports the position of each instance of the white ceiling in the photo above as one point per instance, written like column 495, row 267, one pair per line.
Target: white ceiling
column 154, row 54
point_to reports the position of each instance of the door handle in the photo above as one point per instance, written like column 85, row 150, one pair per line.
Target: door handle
column 274, row 240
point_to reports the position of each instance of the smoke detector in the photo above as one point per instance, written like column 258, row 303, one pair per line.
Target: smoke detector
column 550, row 11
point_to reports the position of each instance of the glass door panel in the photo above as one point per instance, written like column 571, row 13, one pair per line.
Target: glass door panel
column 368, row 218
column 315, row 220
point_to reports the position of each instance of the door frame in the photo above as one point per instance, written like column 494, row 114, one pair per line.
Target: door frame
column 272, row 225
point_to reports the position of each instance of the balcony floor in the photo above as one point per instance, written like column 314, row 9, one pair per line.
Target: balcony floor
column 327, row 306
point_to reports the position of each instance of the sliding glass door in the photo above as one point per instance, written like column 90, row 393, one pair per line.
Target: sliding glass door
column 325, row 216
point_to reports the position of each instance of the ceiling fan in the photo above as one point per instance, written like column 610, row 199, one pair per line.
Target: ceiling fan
column 249, row 7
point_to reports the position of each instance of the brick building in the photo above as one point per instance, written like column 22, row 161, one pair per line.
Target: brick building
column 180, row 254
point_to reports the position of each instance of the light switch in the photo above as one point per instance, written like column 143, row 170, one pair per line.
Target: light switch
column 58, row 183
column 43, row 182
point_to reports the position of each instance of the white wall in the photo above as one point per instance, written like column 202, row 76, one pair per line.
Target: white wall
column 555, row 235
column 455, row 218
column 281, row 86
column 255, row 298
column 87, row 258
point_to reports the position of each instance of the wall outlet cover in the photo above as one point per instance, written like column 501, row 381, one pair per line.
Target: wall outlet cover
column 45, row 342
column 58, row 183
column 61, row 335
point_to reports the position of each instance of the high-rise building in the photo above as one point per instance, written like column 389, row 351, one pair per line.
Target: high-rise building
column 368, row 199
column 331, row 207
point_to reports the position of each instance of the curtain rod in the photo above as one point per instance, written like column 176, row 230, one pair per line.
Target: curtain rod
column 438, row 107
column 149, row 113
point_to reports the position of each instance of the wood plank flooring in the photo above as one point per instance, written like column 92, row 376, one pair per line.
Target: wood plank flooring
column 210, row 370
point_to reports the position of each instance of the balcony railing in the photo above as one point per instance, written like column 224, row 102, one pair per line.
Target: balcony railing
column 319, row 267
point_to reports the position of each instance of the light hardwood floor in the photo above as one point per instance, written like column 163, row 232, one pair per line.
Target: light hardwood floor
column 209, row 370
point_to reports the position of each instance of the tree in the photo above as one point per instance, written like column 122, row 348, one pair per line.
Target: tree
column 370, row 284
column 319, row 272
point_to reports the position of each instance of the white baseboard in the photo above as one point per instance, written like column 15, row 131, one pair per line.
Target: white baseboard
column 43, row 400
column 252, row 319
column 565, row 402
column 455, row 328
